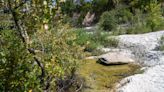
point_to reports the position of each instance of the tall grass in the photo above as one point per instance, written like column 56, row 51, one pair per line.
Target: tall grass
column 94, row 40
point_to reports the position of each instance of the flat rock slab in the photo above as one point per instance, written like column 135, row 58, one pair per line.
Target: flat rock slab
column 144, row 47
column 151, row 81
column 148, row 40
column 115, row 58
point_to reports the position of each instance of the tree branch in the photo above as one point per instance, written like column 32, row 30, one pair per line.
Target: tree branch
column 42, row 69
column 21, row 4
column 16, row 21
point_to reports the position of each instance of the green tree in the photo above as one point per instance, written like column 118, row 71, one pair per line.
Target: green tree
column 17, row 71
column 43, row 59
column 154, row 15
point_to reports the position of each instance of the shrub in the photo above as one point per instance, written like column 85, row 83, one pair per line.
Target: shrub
column 104, row 39
column 85, row 39
column 111, row 42
column 163, row 10
column 111, row 19
column 56, row 62
column 95, row 40
column 107, row 21
column 17, row 71
column 142, row 22
column 61, row 57
column 154, row 17
column 123, row 15
column 138, row 29
column 161, row 43
column 160, row 26
column 82, row 36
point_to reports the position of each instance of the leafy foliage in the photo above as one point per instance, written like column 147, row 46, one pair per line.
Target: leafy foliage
column 38, row 53
column 41, row 57
column 154, row 16
column 92, row 41
column 59, row 58
column 108, row 22
column 17, row 66
column 111, row 19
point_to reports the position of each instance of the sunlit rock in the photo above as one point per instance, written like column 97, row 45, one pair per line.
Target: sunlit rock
column 115, row 58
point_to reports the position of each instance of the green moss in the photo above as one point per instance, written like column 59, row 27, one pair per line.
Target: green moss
column 102, row 78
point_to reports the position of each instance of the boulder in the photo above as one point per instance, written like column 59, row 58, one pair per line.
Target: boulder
column 115, row 58
column 89, row 18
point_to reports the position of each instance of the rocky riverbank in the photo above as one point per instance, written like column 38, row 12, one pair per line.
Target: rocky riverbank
column 144, row 48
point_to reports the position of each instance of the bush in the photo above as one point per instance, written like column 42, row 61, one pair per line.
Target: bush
column 107, row 21
column 56, row 62
column 92, row 41
column 61, row 57
column 122, row 15
column 104, row 39
column 111, row 19
column 111, row 42
column 161, row 42
column 163, row 10
column 154, row 15
column 82, row 36
column 85, row 39
column 138, row 29
column 143, row 22
column 17, row 71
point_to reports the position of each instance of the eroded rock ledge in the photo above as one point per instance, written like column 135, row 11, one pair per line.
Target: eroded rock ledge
column 144, row 48
column 141, row 49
